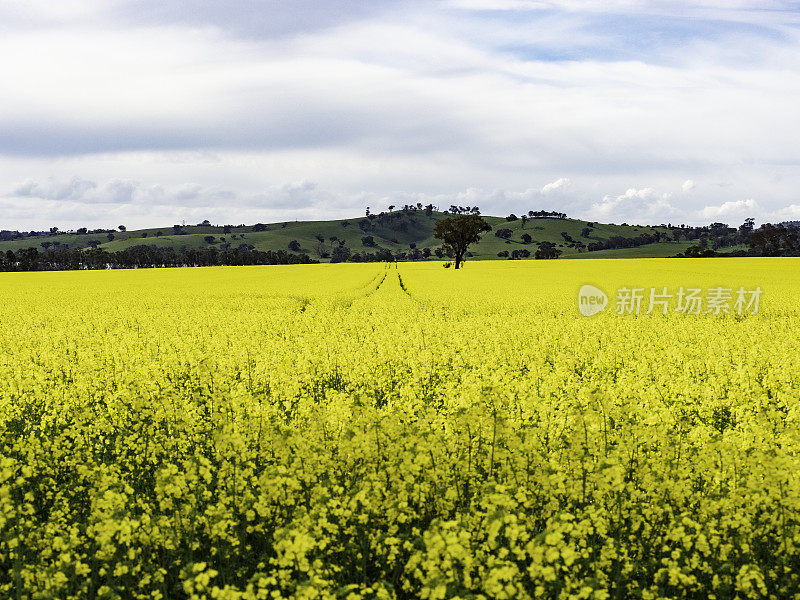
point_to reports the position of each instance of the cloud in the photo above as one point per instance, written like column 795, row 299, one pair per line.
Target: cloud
column 628, row 6
column 164, row 110
column 86, row 196
column 248, row 18
column 194, row 90
column 292, row 196
column 560, row 184
column 252, row 18
column 74, row 189
column 116, row 192
column 730, row 209
column 636, row 206
column 787, row 213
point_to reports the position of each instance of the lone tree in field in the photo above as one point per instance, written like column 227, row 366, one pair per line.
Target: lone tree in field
column 459, row 232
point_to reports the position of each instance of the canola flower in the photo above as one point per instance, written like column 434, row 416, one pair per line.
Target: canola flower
column 372, row 431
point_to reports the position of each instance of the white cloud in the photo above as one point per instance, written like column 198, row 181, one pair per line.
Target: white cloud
column 688, row 186
column 730, row 209
column 643, row 205
column 560, row 184
column 787, row 213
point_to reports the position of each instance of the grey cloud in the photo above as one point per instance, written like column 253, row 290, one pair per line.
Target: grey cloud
column 118, row 192
column 256, row 18
column 25, row 190
column 75, row 188
column 290, row 196
column 298, row 124
column 188, row 192
column 192, row 193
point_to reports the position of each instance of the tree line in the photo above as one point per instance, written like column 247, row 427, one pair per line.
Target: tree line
column 61, row 259
column 782, row 239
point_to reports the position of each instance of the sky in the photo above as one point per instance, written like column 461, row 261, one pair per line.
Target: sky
column 156, row 112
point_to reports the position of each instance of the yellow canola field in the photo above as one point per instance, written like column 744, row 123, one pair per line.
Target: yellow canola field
column 398, row 431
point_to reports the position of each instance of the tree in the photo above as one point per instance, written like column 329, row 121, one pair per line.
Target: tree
column 209, row 239
column 294, row 246
column 122, row 228
column 459, row 232
column 526, row 239
column 321, row 250
column 367, row 240
column 775, row 240
column 698, row 252
column 504, row 233
column 547, row 250
column 745, row 229
column 260, row 227
column 340, row 254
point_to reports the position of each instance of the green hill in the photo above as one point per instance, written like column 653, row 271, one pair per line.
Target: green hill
column 397, row 231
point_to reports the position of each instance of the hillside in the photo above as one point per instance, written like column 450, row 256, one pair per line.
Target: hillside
column 402, row 231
